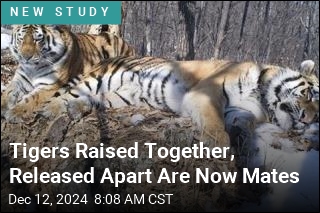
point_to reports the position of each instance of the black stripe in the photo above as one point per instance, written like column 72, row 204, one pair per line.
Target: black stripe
column 156, row 97
column 292, row 78
column 45, row 74
column 104, row 52
column 163, row 85
column 48, row 41
column 91, row 49
column 26, row 79
column 278, row 89
column 240, row 86
column 42, row 67
column 275, row 120
column 150, row 84
column 74, row 95
column 117, row 63
column 92, row 37
column 145, row 101
column 60, row 56
column 299, row 85
column 123, row 99
column 43, row 29
column 24, row 90
column 107, row 38
column 110, row 104
column 77, row 78
column 44, row 84
column 88, row 85
column 132, row 77
column 99, row 79
column 53, row 40
column 121, row 77
column 73, row 81
column 225, row 92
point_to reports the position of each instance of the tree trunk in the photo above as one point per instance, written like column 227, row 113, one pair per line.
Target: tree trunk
column 243, row 22
column 221, row 28
column 197, row 25
column 308, row 26
column 148, row 28
column 186, row 30
column 123, row 17
column 267, row 22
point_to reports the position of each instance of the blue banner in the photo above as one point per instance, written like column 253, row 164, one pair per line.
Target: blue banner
column 60, row 12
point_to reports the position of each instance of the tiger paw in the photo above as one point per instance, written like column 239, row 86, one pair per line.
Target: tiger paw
column 18, row 114
column 53, row 108
column 78, row 109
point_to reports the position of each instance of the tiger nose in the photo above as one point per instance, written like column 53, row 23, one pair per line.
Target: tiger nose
column 28, row 50
column 27, row 53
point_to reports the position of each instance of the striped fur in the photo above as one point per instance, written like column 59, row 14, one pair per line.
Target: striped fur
column 50, row 56
column 219, row 95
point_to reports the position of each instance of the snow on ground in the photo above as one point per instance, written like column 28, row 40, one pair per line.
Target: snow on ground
column 5, row 40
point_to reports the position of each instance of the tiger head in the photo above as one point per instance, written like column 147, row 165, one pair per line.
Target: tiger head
column 297, row 115
column 300, row 107
column 38, row 44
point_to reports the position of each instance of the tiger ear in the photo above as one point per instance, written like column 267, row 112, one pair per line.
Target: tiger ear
column 307, row 67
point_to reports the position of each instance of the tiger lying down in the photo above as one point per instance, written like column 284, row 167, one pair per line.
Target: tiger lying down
column 49, row 56
column 220, row 96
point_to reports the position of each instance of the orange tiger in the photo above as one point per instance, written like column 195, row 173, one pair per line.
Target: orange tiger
column 49, row 56
column 224, row 98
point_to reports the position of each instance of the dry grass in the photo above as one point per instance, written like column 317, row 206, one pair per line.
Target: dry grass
column 112, row 129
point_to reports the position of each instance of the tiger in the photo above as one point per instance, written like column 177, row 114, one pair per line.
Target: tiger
column 219, row 95
column 50, row 56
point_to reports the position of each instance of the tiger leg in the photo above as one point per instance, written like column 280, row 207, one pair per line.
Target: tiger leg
column 13, row 94
column 240, row 124
column 24, row 109
column 75, row 107
column 206, row 111
column 82, row 98
column 9, row 98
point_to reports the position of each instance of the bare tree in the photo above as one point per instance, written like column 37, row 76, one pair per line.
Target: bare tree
column 186, row 29
column 148, row 28
column 278, row 32
column 225, row 7
column 308, row 28
column 243, row 22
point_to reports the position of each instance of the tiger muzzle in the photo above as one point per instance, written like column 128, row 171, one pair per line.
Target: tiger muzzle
column 28, row 49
